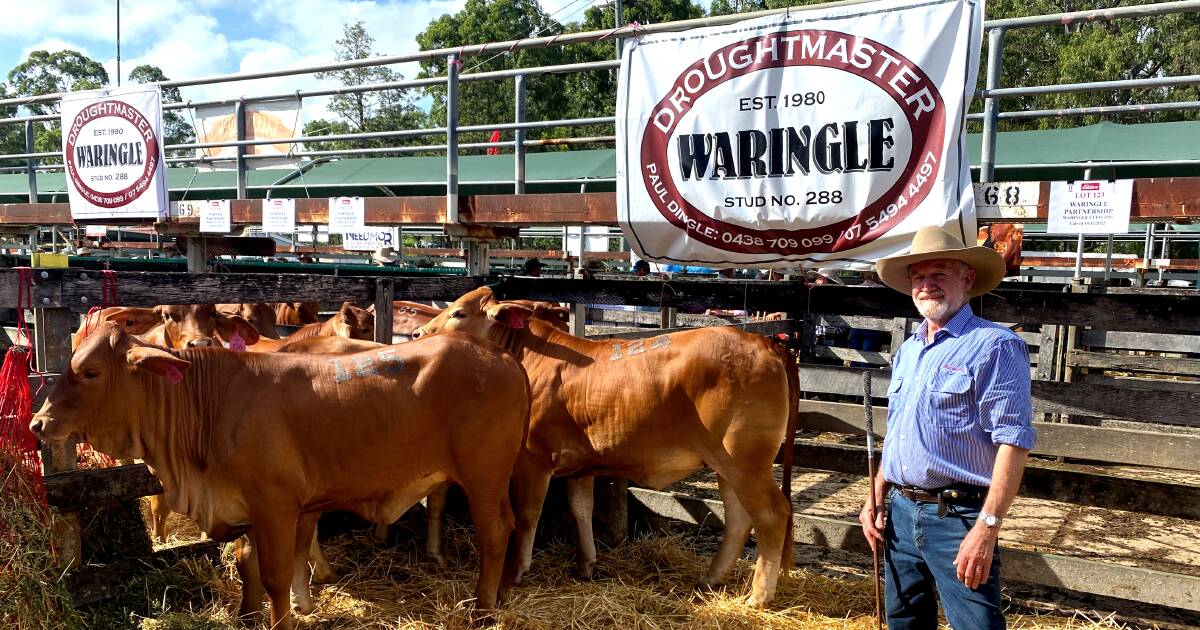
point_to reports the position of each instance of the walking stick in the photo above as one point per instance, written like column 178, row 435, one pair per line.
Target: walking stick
column 871, row 481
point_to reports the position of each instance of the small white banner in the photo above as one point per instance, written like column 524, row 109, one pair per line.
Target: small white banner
column 1007, row 200
column 1089, row 207
column 279, row 215
column 346, row 215
column 367, row 240
column 214, row 216
column 95, row 231
column 112, row 151
column 828, row 135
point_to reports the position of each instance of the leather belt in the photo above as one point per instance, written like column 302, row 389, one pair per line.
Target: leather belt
column 944, row 497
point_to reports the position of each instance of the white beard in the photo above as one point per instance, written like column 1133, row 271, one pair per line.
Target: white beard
column 936, row 310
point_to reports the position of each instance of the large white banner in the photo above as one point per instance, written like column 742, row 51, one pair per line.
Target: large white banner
column 112, row 149
column 825, row 135
column 264, row 120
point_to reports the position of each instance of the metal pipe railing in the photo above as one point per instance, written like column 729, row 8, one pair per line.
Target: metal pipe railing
column 560, row 39
column 987, row 171
column 1093, row 86
column 1093, row 111
column 1105, row 15
column 452, row 131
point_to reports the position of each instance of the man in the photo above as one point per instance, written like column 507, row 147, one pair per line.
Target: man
column 533, row 267
column 641, row 269
column 959, row 431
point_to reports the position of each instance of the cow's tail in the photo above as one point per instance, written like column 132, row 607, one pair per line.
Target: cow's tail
column 793, row 419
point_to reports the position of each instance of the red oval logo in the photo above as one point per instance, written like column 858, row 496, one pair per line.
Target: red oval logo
column 909, row 87
column 125, row 150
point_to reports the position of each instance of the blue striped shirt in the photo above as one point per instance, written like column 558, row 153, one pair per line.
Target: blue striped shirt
column 954, row 400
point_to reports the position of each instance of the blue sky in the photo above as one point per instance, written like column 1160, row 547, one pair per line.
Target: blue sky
column 194, row 38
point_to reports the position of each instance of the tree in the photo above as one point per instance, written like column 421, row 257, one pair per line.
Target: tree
column 1095, row 51
column 367, row 111
column 12, row 136
column 175, row 128
column 491, row 102
column 592, row 94
column 49, row 73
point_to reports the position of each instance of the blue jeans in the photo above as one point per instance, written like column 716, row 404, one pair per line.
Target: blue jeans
column 919, row 554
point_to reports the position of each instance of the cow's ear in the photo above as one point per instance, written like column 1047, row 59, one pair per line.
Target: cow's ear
column 371, row 309
column 511, row 315
column 133, row 320
column 230, row 325
column 156, row 361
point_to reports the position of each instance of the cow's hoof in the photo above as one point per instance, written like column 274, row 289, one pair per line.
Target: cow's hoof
column 586, row 570
column 482, row 618
column 755, row 600
column 304, row 608
column 439, row 559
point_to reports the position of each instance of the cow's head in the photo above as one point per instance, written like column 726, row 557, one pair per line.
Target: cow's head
column 260, row 316
column 132, row 320
column 91, row 400
column 479, row 313
column 353, row 322
column 199, row 325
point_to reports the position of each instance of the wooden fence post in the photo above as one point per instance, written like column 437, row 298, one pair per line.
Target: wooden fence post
column 51, row 335
column 384, row 291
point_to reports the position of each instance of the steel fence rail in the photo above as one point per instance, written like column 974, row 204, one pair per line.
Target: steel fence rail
column 1093, row 86
column 1092, row 111
column 1105, row 15
column 560, row 39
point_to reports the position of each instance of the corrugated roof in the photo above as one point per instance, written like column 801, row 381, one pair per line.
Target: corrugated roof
column 481, row 174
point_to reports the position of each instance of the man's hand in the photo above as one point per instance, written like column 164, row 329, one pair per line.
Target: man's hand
column 974, row 561
column 872, row 523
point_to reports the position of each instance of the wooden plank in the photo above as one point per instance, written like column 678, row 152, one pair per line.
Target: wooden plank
column 1131, row 363
column 758, row 328
column 70, row 491
column 1130, row 382
column 1042, row 569
column 1100, row 444
column 383, row 310
column 1073, row 483
column 94, row 583
column 858, row 321
column 1082, row 399
column 849, row 354
column 1152, row 342
column 1171, row 312
column 1154, row 199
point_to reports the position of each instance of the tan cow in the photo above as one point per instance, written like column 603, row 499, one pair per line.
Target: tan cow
column 652, row 410
column 409, row 316
column 371, row 432
column 174, row 326
column 296, row 313
column 260, row 315
column 350, row 321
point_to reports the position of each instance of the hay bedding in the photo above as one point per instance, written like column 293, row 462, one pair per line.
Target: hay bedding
column 642, row 584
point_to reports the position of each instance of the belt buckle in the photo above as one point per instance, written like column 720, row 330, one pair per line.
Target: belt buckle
column 943, row 505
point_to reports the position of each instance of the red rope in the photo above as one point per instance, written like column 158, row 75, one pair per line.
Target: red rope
column 18, row 445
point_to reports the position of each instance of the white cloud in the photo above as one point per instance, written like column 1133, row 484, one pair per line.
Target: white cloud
column 53, row 44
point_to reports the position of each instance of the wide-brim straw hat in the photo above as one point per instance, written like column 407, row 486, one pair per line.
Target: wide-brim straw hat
column 934, row 243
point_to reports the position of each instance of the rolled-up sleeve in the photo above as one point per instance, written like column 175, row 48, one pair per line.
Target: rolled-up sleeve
column 1003, row 395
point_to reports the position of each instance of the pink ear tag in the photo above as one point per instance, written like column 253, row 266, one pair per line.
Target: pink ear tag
column 236, row 343
column 174, row 374
column 515, row 320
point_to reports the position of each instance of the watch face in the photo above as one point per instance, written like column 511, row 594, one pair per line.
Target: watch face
column 990, row 520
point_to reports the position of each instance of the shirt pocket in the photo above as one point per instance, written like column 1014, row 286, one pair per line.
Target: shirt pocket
column 951, row 400
column 893, row 390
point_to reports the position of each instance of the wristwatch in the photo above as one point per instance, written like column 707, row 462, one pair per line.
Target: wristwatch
column 989, row 519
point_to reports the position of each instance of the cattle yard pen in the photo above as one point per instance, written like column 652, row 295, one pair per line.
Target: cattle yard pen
column 1117, row 371
column 1128, row 425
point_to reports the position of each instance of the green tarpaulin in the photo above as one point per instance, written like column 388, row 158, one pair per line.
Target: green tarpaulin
column 570, row 171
